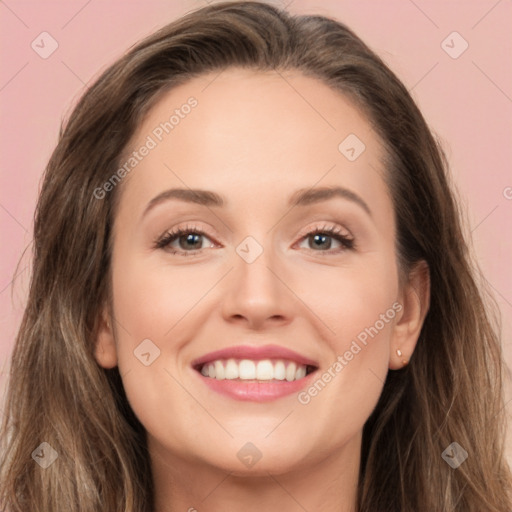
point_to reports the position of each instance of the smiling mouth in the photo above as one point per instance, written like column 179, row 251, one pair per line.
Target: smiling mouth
column 264, row 370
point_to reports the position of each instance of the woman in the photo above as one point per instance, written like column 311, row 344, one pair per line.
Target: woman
column 251, row 290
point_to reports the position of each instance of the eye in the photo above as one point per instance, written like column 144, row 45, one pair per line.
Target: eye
column 322, row 239
column 189, row 241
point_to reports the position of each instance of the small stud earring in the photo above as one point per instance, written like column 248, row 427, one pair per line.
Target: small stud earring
column 399, row 354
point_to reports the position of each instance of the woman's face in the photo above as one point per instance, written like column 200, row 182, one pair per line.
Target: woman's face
column 216, row 328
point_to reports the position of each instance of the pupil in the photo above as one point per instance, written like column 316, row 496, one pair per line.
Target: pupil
column 190, row 239
column 320, row 237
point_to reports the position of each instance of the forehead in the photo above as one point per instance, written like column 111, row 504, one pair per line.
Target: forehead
column 240, row 128
column 237, row 99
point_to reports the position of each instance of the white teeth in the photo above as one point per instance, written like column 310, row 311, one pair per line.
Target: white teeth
column 300, row 373
column 246, row 369
column 219, row 370
column 231, row 371
column 279, row 371
column 265, row 370
column 290, row 372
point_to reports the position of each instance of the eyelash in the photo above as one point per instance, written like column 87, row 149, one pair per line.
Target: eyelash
column 334, row 232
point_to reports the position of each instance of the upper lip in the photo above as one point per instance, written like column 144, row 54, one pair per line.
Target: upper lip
column 255, row 353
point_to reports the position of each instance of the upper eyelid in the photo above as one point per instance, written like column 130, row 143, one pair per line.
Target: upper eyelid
column 319, row 226
column 328, row 226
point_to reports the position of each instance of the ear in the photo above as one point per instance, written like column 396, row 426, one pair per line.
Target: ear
column 415, row 300
column 105, row 350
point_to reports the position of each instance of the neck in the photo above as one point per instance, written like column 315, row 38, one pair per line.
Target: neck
column 329, row 485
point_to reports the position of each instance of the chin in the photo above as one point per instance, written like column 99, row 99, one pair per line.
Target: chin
column 258, row 459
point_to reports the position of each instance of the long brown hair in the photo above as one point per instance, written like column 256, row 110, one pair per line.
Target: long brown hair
column 57, row 393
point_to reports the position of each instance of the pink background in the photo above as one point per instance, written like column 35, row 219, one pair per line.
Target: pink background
column 467, row 101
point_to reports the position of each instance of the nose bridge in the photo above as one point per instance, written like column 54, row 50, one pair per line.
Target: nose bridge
column 253, row 263
column 256, row 290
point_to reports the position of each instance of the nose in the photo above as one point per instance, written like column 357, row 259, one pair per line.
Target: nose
column 257, row 294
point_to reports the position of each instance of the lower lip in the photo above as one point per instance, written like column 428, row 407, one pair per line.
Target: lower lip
column 256, row 391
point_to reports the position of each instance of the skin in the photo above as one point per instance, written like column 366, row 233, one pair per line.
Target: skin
column 255, row 138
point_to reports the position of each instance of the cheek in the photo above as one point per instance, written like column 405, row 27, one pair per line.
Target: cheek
column 153, row 309
column 359, row 305
column 151, row 300
column 350, row 299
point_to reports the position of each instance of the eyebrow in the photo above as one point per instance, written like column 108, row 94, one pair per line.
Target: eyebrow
column 301, row 197
column 304, row 197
